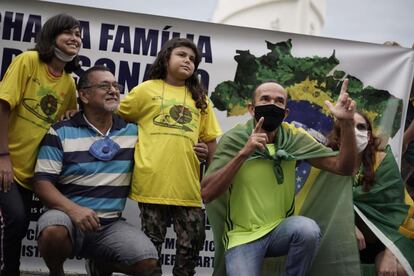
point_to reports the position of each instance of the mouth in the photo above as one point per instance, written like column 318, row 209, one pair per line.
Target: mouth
column 186, row 68
column 111, row 100
column 73, row 46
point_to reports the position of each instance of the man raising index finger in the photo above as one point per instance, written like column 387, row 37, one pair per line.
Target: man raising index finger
column 255, row 164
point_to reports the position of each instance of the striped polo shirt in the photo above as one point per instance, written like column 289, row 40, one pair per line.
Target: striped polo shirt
column 65, row 161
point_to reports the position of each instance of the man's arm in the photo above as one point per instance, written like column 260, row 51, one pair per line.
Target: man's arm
column 84, row 218
column 344, row 163
column 47, row 171
column 6, row 170
column 211, row 145
column 215, row 184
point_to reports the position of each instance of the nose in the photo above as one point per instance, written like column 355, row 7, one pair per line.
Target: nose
column 115, row 88
column 187, row 59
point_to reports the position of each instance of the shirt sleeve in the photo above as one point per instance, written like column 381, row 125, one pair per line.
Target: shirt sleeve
column 209, row 127
column 14, row 81
column 49, row 159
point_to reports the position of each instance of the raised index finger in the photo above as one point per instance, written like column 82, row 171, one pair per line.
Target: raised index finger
column 258, row 127
column 344, row 87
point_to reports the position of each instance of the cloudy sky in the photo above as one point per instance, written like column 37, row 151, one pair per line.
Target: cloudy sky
column 371, row 20
column 362, row 20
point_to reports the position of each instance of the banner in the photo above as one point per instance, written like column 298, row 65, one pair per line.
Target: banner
column 234, row 61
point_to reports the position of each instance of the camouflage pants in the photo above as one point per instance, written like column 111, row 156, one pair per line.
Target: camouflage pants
column 189, row 227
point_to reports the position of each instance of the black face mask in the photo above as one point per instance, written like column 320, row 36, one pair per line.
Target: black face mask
column 272, row 114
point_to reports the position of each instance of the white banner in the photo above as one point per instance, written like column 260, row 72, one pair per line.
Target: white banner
column 234, row 60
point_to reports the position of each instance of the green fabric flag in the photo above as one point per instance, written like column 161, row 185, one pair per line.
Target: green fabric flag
column 384, row 210
column 326, row 198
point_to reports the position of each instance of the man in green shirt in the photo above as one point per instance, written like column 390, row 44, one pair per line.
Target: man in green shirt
column 254, row 169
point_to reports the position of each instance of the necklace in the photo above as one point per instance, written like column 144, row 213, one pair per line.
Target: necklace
column 95, row 128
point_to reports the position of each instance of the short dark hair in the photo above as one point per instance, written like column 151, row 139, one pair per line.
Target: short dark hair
column 253, row 96
column 46, row 39
column 84, row 79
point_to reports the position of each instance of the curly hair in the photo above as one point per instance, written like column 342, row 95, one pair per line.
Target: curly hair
column 158, row 69
column 368, row 155
column 46, row 39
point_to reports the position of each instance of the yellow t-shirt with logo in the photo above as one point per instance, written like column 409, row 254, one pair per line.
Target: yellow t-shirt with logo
column 37, row 99
column 167, row 170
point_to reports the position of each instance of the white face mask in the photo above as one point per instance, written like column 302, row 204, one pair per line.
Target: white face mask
column 62, row 56
column 361, row 137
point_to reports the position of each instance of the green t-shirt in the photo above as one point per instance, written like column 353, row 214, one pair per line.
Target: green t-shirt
column 257, row 203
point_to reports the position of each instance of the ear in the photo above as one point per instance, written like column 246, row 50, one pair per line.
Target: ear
column 250, row 108
column 83, row 96
column 286, row 113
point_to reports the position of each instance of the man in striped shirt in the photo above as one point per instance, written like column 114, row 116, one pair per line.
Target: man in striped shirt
column 82, row 176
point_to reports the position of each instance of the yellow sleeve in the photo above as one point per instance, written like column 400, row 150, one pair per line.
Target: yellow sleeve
column 209, row 127
column 14, row 81
column 129, row 108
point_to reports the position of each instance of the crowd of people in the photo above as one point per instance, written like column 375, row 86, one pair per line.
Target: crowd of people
column 148, row 147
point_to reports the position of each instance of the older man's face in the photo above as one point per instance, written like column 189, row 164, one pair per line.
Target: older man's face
column 103, row 93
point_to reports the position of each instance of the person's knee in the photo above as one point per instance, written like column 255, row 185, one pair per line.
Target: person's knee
column 309, row 230
column 16, row 220
column 55, row 236
column 144, row 267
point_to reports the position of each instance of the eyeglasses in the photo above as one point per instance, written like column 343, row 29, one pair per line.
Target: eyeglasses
column 362, row 126
column 106, row 86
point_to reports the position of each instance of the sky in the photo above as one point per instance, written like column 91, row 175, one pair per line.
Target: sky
column 373, row 21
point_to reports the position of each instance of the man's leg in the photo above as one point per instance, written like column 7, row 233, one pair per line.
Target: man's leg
column 297, row 237
column 55, row 240
column 154, row 219
column 120, row 247
column 189, row 225
column 246, row 259
column 14, row 221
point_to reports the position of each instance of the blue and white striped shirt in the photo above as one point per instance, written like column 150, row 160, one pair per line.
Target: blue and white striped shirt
column 65, row 161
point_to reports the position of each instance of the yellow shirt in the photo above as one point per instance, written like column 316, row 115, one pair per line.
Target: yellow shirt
column 37, row 99
column 167, row 170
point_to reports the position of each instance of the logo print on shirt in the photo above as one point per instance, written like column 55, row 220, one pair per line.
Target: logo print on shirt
column 178, row 117
column 45, row 108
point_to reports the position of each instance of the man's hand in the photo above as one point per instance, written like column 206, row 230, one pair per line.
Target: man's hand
column 360, row 239
column 257, row 140
column 6, row 173
column 84, row 218
column 345, row 107
column 201, row 150
column 386, row 264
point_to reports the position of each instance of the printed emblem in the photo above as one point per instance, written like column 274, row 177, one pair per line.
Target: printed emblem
column 178, row 117
column 45, row 110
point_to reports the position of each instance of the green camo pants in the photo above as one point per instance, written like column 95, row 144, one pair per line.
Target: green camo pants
column 189, row 225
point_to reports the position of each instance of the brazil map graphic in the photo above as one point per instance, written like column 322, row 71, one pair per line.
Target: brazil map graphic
column 309, row 81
